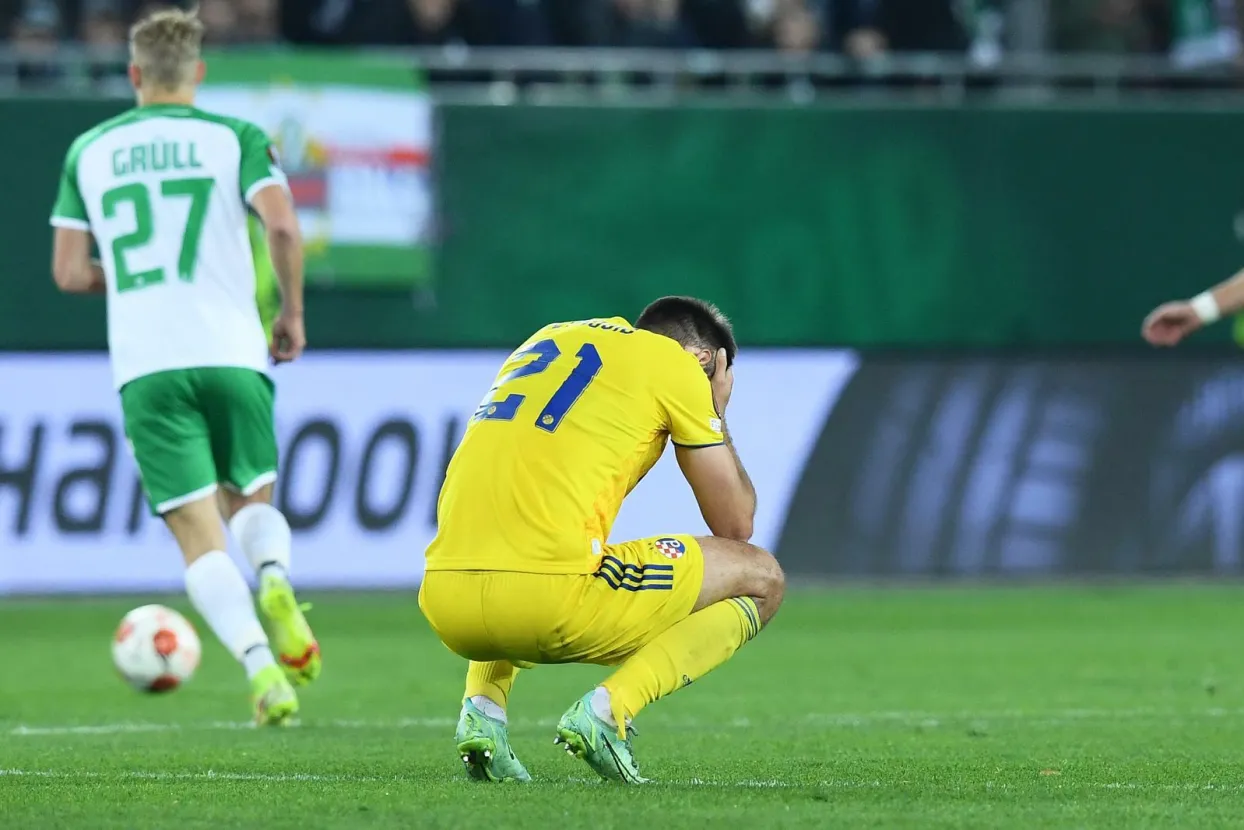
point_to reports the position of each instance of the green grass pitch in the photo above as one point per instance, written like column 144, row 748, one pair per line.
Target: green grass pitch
column 1031, row 707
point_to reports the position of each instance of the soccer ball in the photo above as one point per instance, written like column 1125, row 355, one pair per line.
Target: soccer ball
column 155, row 649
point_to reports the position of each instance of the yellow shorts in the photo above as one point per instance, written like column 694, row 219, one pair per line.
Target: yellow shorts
column 640, row 589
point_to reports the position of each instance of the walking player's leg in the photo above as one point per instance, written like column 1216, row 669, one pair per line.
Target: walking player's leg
column 221, row 596
column 263, row 534
column 216, row 587
column 260, row 529
column 170, row 441
column 239, row 405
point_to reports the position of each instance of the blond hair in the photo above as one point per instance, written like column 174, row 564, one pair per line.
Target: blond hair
column 165, row 46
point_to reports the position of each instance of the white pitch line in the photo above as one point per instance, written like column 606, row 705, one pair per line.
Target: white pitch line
column 119, row 729
column 27, row 731
column 1054, row 717
column 208, row 775
column 211, row 775
column 876, row 784
column 747, row 784
column 1046, row 717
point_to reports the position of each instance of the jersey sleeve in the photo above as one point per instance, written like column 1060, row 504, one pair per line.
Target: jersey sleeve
column 687, row 397
column 267, row 289
column 70, row 210
column 260, row 165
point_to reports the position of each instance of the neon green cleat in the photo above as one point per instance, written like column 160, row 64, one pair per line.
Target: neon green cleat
column 274, row 698
column 295, row 646
column 484, row 747
column 596, row 742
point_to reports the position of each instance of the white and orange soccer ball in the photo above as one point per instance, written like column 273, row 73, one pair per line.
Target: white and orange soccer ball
column 155, row 649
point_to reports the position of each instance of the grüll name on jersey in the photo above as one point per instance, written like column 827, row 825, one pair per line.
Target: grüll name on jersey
column 154, row 157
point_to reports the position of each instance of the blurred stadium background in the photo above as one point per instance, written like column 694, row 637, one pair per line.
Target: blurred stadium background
column 937, row 224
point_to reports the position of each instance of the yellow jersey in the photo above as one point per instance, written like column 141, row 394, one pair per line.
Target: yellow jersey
column 575, row 418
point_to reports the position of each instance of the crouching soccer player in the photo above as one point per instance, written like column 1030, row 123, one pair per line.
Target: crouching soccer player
column 520, row 572
column 165, row 190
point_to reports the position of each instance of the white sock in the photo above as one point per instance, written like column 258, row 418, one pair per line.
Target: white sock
column 601, row 706
column 220, row 595
column 489, row 707
column 257, row 658
column 264, row 537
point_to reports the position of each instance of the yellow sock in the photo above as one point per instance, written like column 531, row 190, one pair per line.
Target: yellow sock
column 686, row 651
column 492, row 680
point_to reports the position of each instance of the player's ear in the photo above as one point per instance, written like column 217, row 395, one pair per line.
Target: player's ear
column 705, row 356
column 200, row 72
column 136, row 76
column 708, row 361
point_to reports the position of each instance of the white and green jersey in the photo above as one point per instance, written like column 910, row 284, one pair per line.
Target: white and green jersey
column 164, row 190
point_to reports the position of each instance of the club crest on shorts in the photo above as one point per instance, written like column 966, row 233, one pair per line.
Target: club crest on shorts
column 670, row 548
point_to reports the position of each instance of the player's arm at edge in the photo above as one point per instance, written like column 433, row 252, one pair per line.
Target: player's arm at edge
column 72, row 267
column 280, row 222
column 1171, row 322
column 265, row 189
column 1223, row 300
column 722, row 487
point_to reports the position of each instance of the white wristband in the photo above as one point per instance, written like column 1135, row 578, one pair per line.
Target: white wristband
column 1206, row 307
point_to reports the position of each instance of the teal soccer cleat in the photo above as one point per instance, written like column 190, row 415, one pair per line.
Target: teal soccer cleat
column 484, row 747
column 596, row 742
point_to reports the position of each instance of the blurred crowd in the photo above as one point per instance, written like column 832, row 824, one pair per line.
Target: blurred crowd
column 860, row 28
column 791, row 25
column 105, row 23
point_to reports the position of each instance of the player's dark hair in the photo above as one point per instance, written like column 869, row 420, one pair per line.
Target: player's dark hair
column 691, row 322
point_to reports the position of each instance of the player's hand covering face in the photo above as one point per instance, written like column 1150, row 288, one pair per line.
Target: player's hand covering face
column 721, row 376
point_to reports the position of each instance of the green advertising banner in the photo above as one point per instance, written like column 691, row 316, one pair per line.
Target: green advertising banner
column 869, row 227
column 354, row 133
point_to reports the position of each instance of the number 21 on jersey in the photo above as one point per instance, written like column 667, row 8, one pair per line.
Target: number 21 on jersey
column 543, row 354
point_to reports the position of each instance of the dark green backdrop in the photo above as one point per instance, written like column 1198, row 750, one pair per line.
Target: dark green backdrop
column 811, row 226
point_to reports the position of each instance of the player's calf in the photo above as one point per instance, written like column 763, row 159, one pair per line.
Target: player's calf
column 264, row 536
column 261, row 530
column 218, row 591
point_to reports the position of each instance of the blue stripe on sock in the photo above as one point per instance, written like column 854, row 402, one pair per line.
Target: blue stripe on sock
column 753, row 620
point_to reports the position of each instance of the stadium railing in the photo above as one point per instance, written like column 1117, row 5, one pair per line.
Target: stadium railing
column 500, row 72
